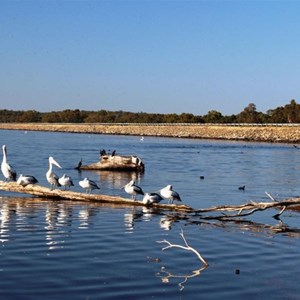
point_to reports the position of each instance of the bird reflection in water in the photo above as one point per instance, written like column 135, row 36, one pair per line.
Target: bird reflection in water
column 57, row 216
column 166, row 221
column 4, row 220
column 138, row 214
column 84, row 216
column 130, row 217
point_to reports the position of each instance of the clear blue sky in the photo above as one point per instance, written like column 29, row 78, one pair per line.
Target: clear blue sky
column 149, row 56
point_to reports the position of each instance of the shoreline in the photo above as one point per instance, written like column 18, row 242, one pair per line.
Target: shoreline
column 261, row 133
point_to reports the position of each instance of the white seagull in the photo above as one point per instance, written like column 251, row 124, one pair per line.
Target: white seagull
column 132, row 189
column 88, row 185
column 52, row 177
column 168, row 193
column 8, row 171
column 66, row 181
column 24, row 180
column 151, row 198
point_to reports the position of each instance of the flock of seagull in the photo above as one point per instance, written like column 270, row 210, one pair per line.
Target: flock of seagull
column 166, row 193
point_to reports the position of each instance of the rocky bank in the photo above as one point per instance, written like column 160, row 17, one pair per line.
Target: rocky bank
column 261, row 133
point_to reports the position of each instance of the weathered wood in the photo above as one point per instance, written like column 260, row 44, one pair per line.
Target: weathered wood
column 247, row 209
column 116, row 162
column 238, row 210
column 45, row 192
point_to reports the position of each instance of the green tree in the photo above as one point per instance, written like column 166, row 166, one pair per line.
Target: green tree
column 248, row 115
column 213, row 116
column 277, row 115
column 293, row 112
column 30, row 116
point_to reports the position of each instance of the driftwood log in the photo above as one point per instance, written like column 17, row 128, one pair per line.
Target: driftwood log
column 116, row 162
column 222, row 212
column 45, row 192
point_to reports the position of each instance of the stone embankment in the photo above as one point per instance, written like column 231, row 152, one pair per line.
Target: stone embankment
column 261, row 133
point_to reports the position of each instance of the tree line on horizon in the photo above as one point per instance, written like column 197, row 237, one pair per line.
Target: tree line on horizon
column 289, row 113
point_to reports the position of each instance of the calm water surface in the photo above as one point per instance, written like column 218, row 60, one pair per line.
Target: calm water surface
column 73, row 250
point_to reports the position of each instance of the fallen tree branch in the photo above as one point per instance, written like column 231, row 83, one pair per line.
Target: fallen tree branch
column 57, row 194
column 248, row 209
column 240, row 210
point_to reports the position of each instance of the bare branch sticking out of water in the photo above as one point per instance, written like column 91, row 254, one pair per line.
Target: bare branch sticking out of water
column 186, row 247
column 279, row 214
column 271, row 197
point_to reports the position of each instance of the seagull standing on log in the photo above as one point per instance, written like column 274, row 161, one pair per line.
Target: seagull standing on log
column 168, row 193
column 52, row 178
column 88, row 185
column 7, row 170
column 66, row 181
column 132, row 189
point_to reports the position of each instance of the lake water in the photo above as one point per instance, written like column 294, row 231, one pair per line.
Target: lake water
column 72, row 250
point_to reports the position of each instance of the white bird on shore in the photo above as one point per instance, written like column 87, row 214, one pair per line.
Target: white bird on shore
column 24, row 180
column 88, row 185
column 52, row 178
column 7, row 170
column 132, row 189
column 168, row 193
column 151, row 198
column 66, row 181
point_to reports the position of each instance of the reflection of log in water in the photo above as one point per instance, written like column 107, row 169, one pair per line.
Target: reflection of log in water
column 247, row 225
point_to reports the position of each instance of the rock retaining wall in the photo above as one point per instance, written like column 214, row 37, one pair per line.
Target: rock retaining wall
column 283, row 134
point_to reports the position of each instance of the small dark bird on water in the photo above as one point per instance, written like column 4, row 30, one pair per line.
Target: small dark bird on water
column 242, row 188
column 201, row 177
column 79, row 165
